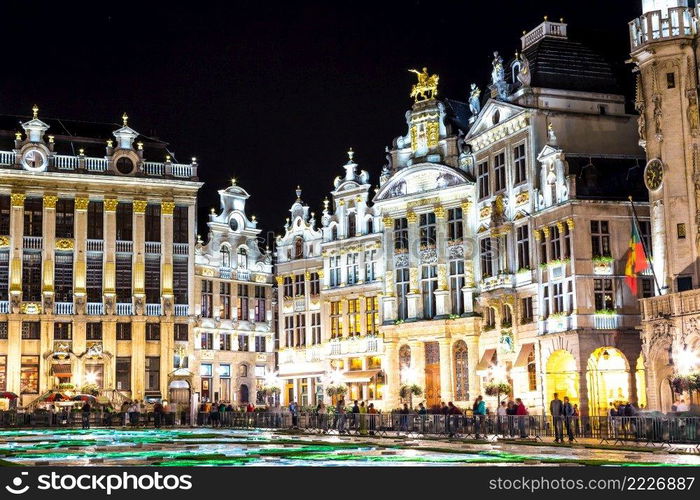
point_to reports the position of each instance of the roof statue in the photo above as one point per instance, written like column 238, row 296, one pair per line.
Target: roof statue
column 498, row 78
column 426, row 88
column 524, row 76
column 475, row 100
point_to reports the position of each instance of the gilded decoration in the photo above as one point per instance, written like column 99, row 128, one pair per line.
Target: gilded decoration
column 537, row 234
column 570, row 223
column 560, row 227
column 442, row 277
column 4, row 241
column 387, row 221
column 140, row 206
column 81, row 203
column 411, row 217
column 30, row 308
column 485, row 212
column 426, row 87
column 17, row 199
column 413, row 274
column 65, row 244
column 439, row 211
column 167, row 207
column 110, row 204
column 50, row 201
column 414, row 137
column 545, row 232
column 320, row 273
column 433, row 134
column 466, row 205
column 522, row 198
column 435, row 200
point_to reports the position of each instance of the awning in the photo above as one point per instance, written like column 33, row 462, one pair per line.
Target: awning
column 486, row 360
column 525, row 351
column 359, row 375
column 62, row 370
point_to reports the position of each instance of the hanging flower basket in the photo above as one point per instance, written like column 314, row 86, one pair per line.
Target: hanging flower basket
column 336, row 390
column 408, row 391
column 497, row 389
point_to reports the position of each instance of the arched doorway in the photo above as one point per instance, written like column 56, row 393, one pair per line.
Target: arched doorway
column 562, row 376
column 641, row 378
column 179, row 392
column 608, row 379
column 243, row 394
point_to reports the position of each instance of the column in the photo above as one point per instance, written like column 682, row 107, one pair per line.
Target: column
column 110, row 233
column 167, row 352
column 166, row 248
column 393, row 383
column 48, row 245
column 582, row 393
column 79, row 347
column 470, row 256
column 79, row 252
column 139, row 249
column 295, row 390
column 14, row 320
column 446, row 370
column 45, row 345
column 109, row 345
column 473, row 357
column 414, row 305
column 418, row 362
column 442, row 294
column 138, row 356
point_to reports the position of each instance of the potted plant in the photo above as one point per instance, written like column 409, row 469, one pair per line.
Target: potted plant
column 496, row 389
column 408, row 391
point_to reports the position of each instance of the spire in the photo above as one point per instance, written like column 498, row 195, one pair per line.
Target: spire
column 35, row 112
column 125, row 119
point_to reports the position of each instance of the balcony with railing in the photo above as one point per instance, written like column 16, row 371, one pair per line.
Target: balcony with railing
column 243, row 274
column 500, row 281
column 4, row 306
column 153, row 247
column 153, row 310
column 181, row 249
column 124, row 246
column 94, row 245
column 673, row 304
column 354, row 345
column 182, row 310
column 653, row 26
column 124, row 308
column 95, row 308
column 7, row 157
column 225, row 273
column 606, row 321
column 32, row 242
column 63, row 308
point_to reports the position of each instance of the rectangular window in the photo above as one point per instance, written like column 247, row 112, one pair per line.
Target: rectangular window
column 31, row 275
column 95, row 220
column 3, row 330
column 372, row 315
column 428, row 287
column 33, row 214
column 370, row 265
column 31, row 330
column 543, row 249
column 259, row 343
column 645, row 235
column 486, row 257
column 352, row 268
column 123, row 378
column 288, row 287
column 242, row 303
column 260, row 304
column 670, row 80
column 153, row 331
column 353, row 317
column 93, row 331
column 3, row 373
column 604, row 298
column 600, row 238
column 299, row 330
column 402, row 289
column 314, row 284
column 181, row 332
column 522, row 236
column 225, row 300
column 4, row 274
column 401, row 234
column 545, row 301
column 5, row 208
column 334, row 266
column 455, row 229
column 519, row 164
column 526, row 312
column 123, row 277
column 123, row 331
column 152, row 373
column 65, row 218
column 125, row 221
column 680, row 229
column 63, row 331
column 152, row 222
column 207, row 299
column 180, row 225
column 29, row 375
column 180, row 279
column 207, row 341
column 299, row 285
column 428, row 230
column 456, row 284
column 289, row 331
column 63, row 277
column 315, row 328
column 557, row 298
column 555, row 243
column 224, row 341
column 566, row 241
column 93, row 279
column 499, row 171
column 569, row 302
column 647, row 287
column 482, row 179
column 336, row 329
column 243, row 342
column 152, row 278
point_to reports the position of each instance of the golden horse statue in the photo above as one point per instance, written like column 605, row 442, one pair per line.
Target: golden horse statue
column 426, row 88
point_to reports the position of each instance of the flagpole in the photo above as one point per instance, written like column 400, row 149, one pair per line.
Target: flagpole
column 644, row 245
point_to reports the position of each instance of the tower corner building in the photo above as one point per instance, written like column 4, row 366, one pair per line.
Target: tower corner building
column 664, row 48
column 96, row 259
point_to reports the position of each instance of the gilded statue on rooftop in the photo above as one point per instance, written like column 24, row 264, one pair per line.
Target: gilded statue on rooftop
column 426, row 88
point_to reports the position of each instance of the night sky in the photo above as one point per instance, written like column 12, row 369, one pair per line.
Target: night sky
column 272, row 95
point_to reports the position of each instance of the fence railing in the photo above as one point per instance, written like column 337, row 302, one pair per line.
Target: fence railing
column 645, row 429
column 44, row 418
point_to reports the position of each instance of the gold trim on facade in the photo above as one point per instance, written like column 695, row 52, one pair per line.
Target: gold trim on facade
column 50, row 201
column 65, row 244
column 110, row 204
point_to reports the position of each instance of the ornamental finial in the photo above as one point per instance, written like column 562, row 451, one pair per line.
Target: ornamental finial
column 299, row 194
column 125, row 119
column 233, row 181
column 351, row 153
column 35, row 111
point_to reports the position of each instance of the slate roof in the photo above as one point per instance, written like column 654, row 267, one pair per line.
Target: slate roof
column 608, row 178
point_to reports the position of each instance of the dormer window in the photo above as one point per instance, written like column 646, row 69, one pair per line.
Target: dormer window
column 334, row 233
column 352, row 225
column 225, row 257
column 299, row 248
column 242, row 262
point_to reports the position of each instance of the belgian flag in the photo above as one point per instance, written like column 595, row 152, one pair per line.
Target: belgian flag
column 636, row 260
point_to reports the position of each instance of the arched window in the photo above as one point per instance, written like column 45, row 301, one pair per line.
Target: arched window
column 243, row 394
column 242, row 258
column 299, row 248
column 225, row 257
column 506, row 317
column 531, row 371
column 370, row 225
column 352, row 225
column 242, row 370
column 404, row 361
column 334, row 233
column 461, row 367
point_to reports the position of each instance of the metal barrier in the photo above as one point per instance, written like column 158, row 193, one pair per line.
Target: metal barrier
column 95, row 419
column 612, row 430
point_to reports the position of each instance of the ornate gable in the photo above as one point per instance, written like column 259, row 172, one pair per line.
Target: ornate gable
column 421, row 178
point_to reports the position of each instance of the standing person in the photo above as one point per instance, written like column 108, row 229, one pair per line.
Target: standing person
column 521, row 414
column 501, row 416
column 422, row 416
column 555, row 409
column 453, row 418
column 403, row 418
column 294, row 411
column 511, row 412
column 372, row 411
column 322, row 416
column 568, row 412
column 355, row 414
column 363, row 419
column 157, row 414
column 340, row 414
column 86, row 415
column 479, row 414
column 577, row 426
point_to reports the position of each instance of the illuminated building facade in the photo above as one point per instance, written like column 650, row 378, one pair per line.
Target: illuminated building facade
column 233, row 335
column 664, row 49
column 96, row 258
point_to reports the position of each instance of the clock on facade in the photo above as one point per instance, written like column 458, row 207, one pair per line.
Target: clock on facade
column 125, row 165
column 654, row 174
column 34, row 160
